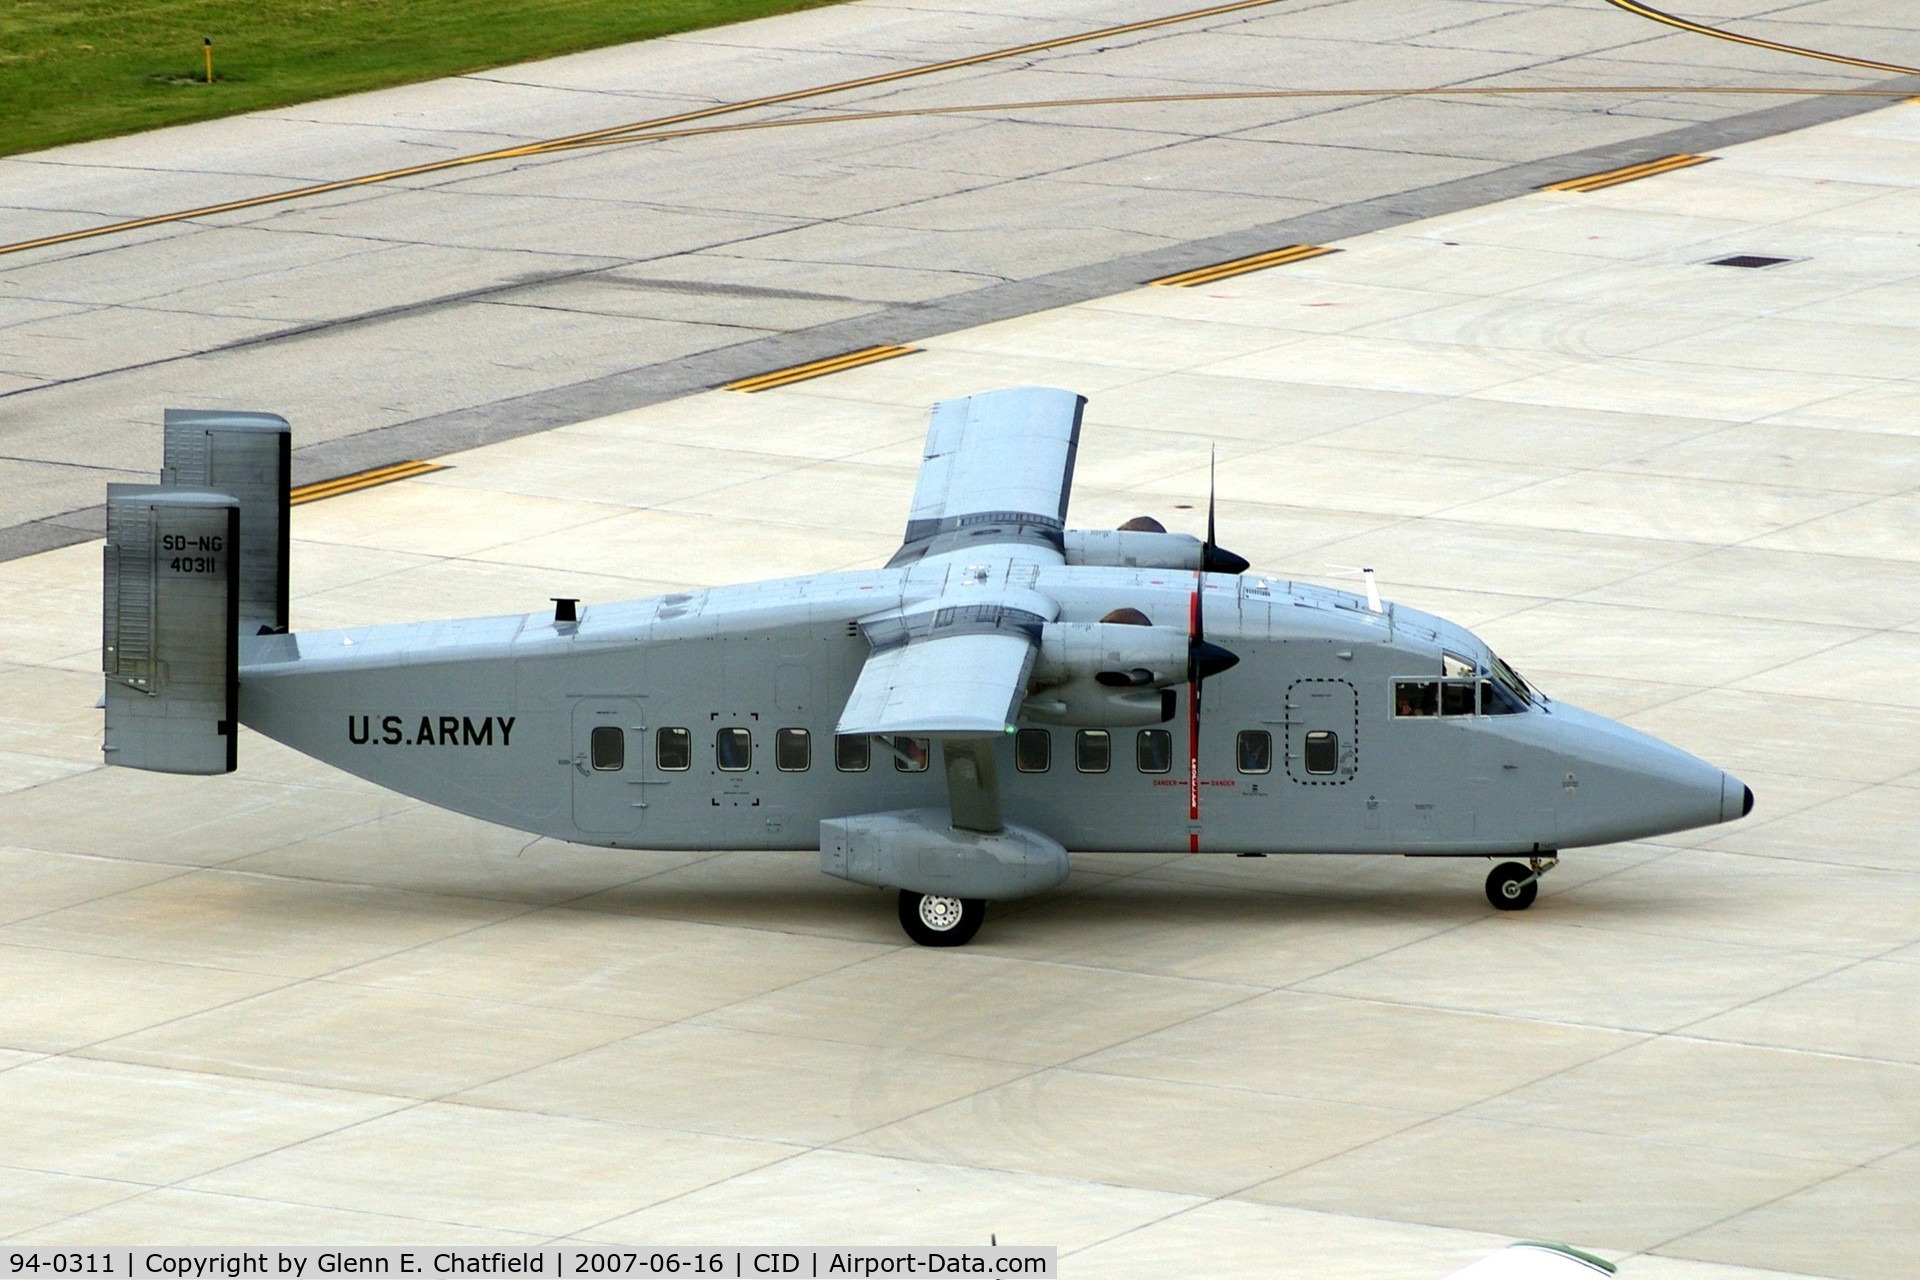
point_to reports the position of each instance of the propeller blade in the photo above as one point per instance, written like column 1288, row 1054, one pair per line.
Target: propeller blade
column 1196, row 639
column 1213, row 557
column 1213, row 463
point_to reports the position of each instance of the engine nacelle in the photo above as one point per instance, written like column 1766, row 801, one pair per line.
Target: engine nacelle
column 1133, row 549
column 1127, row 655
column 1143, row 547
column 1107, row 673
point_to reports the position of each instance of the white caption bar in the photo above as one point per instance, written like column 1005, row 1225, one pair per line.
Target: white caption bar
column 731, row 1262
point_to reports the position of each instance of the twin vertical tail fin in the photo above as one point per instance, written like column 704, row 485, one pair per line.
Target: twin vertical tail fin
column 192, row 564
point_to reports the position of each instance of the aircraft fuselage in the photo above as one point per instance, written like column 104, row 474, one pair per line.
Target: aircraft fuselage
column 706, row 720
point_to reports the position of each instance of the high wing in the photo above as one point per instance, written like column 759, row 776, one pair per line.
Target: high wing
column 992, row 492
column 997, row 472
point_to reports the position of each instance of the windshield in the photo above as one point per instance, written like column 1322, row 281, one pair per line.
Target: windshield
column 1507, row 676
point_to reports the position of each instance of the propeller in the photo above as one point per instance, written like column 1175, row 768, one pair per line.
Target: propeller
column 1213, row 557
column 1203, row 660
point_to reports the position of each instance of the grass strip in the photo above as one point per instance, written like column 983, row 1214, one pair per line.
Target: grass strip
column 73, row 70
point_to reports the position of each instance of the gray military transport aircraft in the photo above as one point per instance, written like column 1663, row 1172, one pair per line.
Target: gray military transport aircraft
column 1043, row 666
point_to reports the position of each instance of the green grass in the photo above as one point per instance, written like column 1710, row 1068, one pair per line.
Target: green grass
column 71, row 70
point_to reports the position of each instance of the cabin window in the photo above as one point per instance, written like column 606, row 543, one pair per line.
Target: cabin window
column 607, row 745
column 1323, row 751
column 1254, row 751
column 912, row 754
column 1093, row 750
column 1498, row 700
column 1416, row 697
column 1033, row 751
column 733, row 750
column 1153, row 751
column 852, row 753
column 673, row 749
column 1456, row 697
column 793, row 750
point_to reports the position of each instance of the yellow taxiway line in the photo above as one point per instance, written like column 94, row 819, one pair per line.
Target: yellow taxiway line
column 1630, row 173
column 1701, row 29
column 1240, row 266
column 632, row 133
column 361, row 480
column 571, row 140
column 818, row 368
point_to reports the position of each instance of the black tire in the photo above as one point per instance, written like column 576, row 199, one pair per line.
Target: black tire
column 935, row 921
column 1512, row 886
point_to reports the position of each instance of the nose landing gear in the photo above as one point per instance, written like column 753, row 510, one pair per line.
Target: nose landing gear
column 1512, row 886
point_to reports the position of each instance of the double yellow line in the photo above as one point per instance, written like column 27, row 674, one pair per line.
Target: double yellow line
column 1614, row 177
column 818, row 368
column 1240, row 266
column 361, row 480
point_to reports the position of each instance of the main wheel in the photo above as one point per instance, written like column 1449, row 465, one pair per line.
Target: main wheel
column 935, row 921
column 1512, row 886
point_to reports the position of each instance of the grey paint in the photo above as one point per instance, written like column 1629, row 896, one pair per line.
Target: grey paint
column 1471, row 785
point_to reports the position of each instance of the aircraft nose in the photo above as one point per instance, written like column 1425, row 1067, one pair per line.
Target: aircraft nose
column 1736, row 798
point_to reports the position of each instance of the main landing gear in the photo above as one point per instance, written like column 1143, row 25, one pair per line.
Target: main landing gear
column 935, row 921
column 1513, row 886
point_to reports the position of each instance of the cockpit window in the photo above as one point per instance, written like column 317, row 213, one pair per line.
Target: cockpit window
column 1498, row 700
column 1456, row 697
column 1510, row 678
column 1452, row 664
column 1416, row 697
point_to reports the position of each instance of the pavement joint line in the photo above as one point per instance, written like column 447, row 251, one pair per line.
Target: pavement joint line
column 819, row 368
column 359, row 480
column 1241, row 266
column 1629, row 173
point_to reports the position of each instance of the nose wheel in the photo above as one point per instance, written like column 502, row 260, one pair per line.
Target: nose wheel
column 1512, row 886
column 933, row 920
